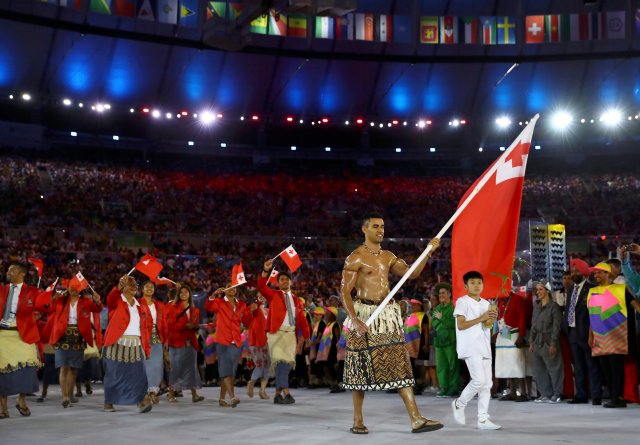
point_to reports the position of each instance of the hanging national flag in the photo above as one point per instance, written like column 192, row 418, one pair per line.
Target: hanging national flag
column 291, row 258
column 490, row 222
column 163, row 281
column 598, row 26
column 273, row 277
column 324, row 28
column 78, row 282
column 277, row 23
column 235, row 9
column 189, row 13
column 470, row 29
column 384, row 28
column 488, row 30
column 402, row 29
column 75, row 4
column 428, row 29
column 38, row 264
column 237, row 275
column 345, row 27
column 125, row 8
column 100, row 6
column 149, row 265
column 616, row 24
column 145, row 11
column 297, row 25
column 259, row 25
column 216, row 9
column 448, row 29
column 506, row 30
column 579, row 27
column 167, row 11
column 364, row 27
column 556, row 28
column 535, row 29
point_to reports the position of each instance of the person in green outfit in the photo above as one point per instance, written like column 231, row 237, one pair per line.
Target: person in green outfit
column 443, row 323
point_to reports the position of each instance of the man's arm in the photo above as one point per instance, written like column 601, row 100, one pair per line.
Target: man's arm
column 400, row 267
column 265, row 290
column 349, row 276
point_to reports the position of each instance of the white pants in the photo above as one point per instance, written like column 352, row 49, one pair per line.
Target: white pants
column 481, row 382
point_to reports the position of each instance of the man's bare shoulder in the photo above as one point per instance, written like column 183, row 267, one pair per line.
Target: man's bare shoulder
column 354, row 260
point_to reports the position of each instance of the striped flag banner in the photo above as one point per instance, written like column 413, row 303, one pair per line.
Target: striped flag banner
column 324, row 28
column 384, row 28
column 557, row 28
column 488, row 31
column 579, row 24
column 364, row 27
column 297, row 25
column 506, row 30
column 345, row 27
column 470, row 27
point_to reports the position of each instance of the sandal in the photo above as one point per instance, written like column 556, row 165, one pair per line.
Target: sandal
column 234, row 402
column 197, row 399
column 108, row 408
column 171, row 398
column 428, row 425
column 24, row 410
column 4, row 415
column 359, row 429
column 223, row 402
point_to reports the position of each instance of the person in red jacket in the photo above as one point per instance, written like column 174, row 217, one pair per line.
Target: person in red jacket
column 182, row 318
column 259, row 350
column 229, row 313
column 286, row 317
column 71, row 332
column 126, row 345
column 19, row 337
column 156, row 329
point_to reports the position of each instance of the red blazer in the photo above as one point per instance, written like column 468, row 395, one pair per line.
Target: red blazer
column 228, row 320
column 179, row 335
column 97, row 329
column 278, row 309
column 161, row 323
column 27, row 326
column 60, row 311
column 258, row 328
column 119, row 320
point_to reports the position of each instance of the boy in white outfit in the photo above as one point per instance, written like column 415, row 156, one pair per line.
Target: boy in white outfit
column 473, row 344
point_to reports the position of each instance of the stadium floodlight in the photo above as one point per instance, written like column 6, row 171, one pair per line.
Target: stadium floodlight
column 611, row 117
column 99, row 108
column 169, row 115
column 432, row 149
column 155, row 114
column 421, row 124
column 116, row 138
column 26, row 97
column 66, row 102
column 74, row 134
column 480, row 149
column 455, row 123
column 190, row 143
column 207, row 117
column 294, row 148
column 503, row 122
column 398, row 150
column 327, row 149
column 560, row 120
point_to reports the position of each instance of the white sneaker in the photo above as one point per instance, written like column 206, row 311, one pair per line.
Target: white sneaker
column 458, row 413
column 486, row 424
column 542, row 399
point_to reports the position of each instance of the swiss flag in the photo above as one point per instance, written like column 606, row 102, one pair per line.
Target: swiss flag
column 290, row 256
column 38, row 264
column 78, row 282
column 535, row 29
column 484, row 235
column 161, row 281
column 237, row 275
column 149, row 265
column 273, row 277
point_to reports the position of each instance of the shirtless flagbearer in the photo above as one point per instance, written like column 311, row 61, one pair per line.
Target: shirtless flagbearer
column 376, row 357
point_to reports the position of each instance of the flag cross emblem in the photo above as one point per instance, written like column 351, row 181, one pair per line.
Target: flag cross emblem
column 291, row 252
column 535, row 29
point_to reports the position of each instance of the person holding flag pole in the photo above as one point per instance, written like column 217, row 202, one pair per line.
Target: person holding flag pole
column 497, row 243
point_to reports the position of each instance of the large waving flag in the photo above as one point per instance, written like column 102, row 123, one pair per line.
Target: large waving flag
column 291, row 258
column 149, row 265
column 484, row 235
column 78, row 282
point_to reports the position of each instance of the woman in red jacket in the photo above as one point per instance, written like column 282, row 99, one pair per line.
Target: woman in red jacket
column 259, row 350
column 126, row 345
column 156, row 329
column 229, row 313
column 182, row 318
column 71, row 332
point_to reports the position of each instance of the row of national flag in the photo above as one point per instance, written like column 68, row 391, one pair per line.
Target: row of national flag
column 485, row 30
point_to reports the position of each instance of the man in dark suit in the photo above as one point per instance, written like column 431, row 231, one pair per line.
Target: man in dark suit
column 575, row 323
